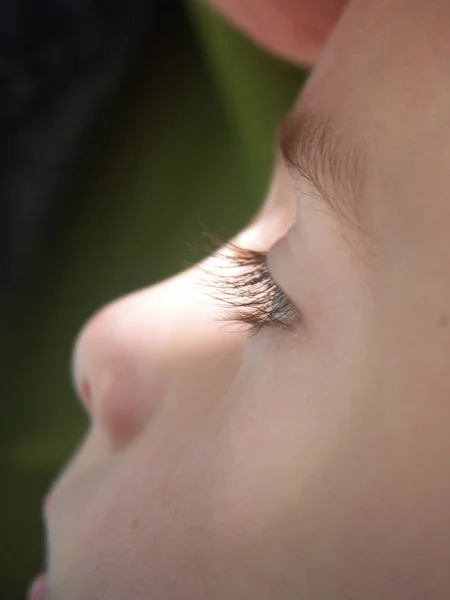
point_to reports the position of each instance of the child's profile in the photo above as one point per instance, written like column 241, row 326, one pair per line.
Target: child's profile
column 306, row 454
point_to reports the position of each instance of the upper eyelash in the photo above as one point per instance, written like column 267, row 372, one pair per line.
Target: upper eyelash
column 241, row 281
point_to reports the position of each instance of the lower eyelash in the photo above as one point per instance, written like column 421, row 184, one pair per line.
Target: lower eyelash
column 240, row 280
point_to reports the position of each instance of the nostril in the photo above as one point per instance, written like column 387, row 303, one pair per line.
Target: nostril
column 86, row 394
column 80, row 375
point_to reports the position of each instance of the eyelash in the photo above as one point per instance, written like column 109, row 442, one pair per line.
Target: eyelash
column 241, row 280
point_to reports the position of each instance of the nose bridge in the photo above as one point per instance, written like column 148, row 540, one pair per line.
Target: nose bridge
column 117, row 368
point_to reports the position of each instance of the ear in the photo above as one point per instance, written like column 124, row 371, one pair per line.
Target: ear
column 295, row 30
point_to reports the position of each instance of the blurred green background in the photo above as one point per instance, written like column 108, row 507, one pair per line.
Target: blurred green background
column 187, row 147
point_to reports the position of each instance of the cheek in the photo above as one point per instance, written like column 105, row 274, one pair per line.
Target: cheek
column 379, row 512
column 362, row 481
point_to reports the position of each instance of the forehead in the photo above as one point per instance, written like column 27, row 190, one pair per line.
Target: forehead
column 397, row 45
column 384, row 77
column 387, row 69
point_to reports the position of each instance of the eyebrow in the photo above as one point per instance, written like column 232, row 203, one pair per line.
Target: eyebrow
column 315, row 149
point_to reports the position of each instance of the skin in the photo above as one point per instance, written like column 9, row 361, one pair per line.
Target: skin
column 308, row 462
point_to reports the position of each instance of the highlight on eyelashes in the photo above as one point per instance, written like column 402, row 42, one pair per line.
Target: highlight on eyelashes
column 240, row 280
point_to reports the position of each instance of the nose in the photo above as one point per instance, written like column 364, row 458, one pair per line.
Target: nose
column 107, row 373
column 132, row 351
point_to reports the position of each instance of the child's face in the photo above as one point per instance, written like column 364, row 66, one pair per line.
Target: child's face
column 311, row 461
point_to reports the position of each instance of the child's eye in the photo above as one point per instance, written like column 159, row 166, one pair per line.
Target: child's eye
column 241, row 281
column 283, row 311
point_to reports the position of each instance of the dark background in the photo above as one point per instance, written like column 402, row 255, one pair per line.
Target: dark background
column 128, row 129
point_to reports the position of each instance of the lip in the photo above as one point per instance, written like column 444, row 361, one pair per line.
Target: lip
column 37, row 589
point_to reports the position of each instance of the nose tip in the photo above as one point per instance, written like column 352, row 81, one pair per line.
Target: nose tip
column 115, row 389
